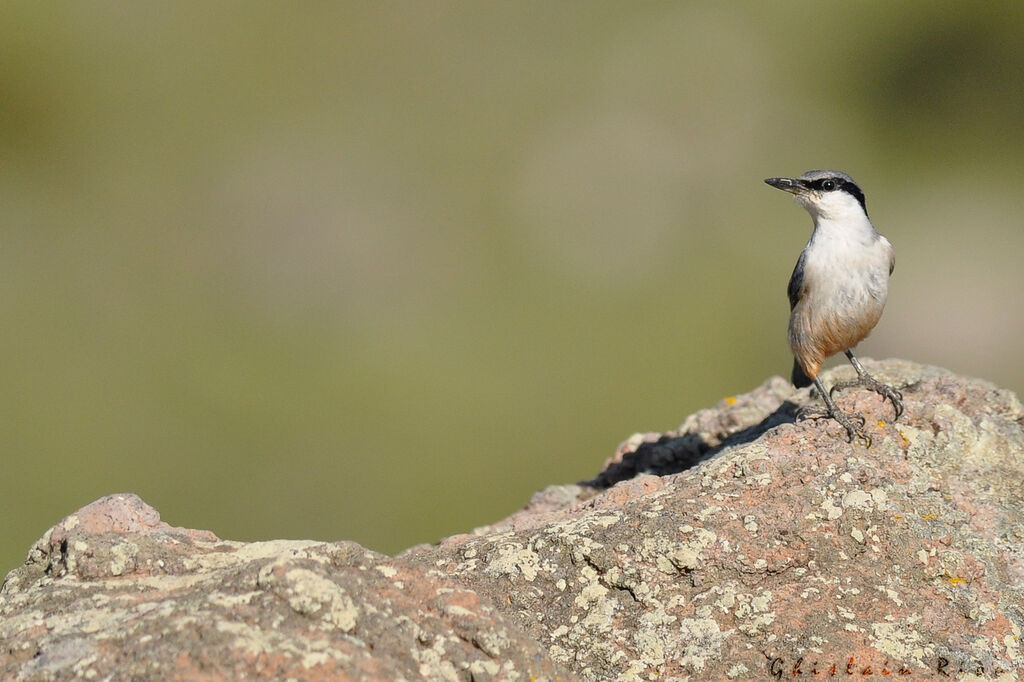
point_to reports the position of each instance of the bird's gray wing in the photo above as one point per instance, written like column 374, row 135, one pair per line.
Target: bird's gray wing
column 796, row 281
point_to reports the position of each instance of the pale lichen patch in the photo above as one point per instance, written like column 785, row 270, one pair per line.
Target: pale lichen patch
column 857, row 499
column 900, row 641
column 737, row 670
column 707, row 512
column 122, row 558
column 592, row 593
column 487, row 668
column 309, row 593
column 703, row 642
column 514, row 560
column 249, row 551
column 387, row 571
column 832, row 512
column 880, row 499
column 225, row 600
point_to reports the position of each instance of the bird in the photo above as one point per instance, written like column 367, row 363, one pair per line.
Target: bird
column 838, row 288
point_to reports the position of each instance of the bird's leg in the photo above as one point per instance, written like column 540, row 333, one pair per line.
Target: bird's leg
column 869, row 382
column 848, row 422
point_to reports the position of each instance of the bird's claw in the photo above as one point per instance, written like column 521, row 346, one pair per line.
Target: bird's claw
column 860, row 435
column 842, row 385
column 887, row 392
column 853, row 424
column 813, row 413
column 894, row 396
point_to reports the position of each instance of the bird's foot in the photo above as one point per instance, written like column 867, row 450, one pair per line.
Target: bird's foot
column 853, row 424
column 869, row 382
column 813, row 413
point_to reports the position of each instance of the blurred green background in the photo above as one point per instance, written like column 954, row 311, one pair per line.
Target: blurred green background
column 379, row 271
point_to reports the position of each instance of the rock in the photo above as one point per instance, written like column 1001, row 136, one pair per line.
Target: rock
column 112, row 593
column 744, row 545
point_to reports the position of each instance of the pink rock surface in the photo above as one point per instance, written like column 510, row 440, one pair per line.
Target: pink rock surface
column 745, row 545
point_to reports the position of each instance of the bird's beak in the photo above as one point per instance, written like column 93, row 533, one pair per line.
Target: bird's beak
column 791, row 185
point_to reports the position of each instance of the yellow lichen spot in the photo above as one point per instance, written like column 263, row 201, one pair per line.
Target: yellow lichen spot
column 730, row 400
column 906, row 441
column 928, row 517
column 953, row 580
column 881, row 424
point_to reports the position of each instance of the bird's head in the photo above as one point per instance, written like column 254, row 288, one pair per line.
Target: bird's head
column 828, row 194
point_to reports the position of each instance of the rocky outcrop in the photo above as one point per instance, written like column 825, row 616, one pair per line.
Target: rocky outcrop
column 745, row 545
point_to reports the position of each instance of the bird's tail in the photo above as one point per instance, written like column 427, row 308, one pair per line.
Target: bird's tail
column 799, row 377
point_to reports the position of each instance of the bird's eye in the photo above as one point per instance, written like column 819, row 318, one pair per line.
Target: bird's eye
column 828, row 185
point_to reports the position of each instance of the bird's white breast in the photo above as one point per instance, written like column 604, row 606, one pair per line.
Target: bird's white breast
column 847, row 268
column 845, row 284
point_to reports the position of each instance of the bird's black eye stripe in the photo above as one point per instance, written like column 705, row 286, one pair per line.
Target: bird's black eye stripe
column 832, row 184
column 853, row 190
